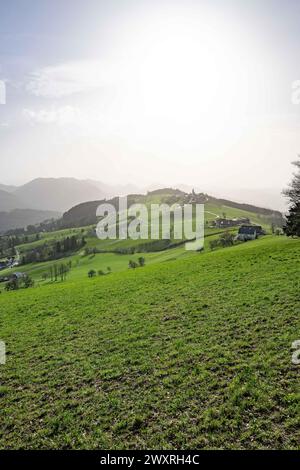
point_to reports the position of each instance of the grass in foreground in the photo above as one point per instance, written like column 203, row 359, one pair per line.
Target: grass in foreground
column 192, row 353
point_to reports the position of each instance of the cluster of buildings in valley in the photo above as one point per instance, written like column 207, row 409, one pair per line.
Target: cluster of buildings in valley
column 247, row 231
column 8, row 263
column 9, row 277
column 224, row 222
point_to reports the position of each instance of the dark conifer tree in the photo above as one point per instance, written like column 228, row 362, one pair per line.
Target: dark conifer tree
column 292, row 226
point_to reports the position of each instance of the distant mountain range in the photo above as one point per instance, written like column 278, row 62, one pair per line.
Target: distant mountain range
column 20, row 218
column 46, row 198
column 8, row 188
column 58, row 195
column 9, row 201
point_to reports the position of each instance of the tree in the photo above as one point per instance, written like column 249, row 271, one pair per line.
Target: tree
column 63, row 272
column 73, row 243
column 141, row 261
column 28, row 282
column 293, row 191
column 13, row 251
column 226, row 239
column 213, row 244
column 67, row 244
column 273, row 228
column 92, row 273
column 132, row 264
column 292, row 226
column 13, row 284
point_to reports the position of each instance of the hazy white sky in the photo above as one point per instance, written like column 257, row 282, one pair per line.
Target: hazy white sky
column 195, row 92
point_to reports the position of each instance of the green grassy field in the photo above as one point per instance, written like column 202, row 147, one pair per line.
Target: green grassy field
column 82, row 263
column 192, row 352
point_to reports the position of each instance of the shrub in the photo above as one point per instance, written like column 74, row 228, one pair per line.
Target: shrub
column 132, row 264
column 141, row 261
column 226, row 239
column 213, row 244
column 28, row 282
column 13, row 284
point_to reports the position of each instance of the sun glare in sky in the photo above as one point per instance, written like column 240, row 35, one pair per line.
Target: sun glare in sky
column 151, row 92
column 184, row 69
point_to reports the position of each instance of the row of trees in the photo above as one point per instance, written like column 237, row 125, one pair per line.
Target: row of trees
column 52, row 251
column 132, row 265
column 46, row 226
column 7, row 245
column 58, row 271
column 69, row 244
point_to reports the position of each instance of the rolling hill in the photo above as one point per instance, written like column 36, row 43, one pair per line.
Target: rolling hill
column 9, row 201
column 21, row 218
column 85, row 213
column 58, row 194
column 7, row 188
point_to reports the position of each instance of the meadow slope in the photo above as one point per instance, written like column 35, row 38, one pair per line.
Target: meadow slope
column 187, row 353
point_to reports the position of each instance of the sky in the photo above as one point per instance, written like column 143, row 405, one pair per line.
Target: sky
column 149, row 92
